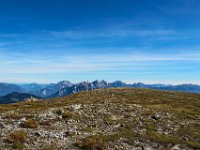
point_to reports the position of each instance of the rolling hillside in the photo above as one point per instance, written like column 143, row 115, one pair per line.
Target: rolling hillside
column 123, row 118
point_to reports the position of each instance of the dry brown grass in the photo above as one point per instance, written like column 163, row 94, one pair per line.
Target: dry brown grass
column 17, row 137
column 92, row 143
column 14, row 116
column 68, row 115
column 30, row 124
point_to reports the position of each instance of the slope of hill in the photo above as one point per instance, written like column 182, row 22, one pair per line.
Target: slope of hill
column 104, row 119
column 16, row 97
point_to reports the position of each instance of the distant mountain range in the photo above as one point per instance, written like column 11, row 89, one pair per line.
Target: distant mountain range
column 6, row 88
column 16, row 97
column 41, row 90
column 51, row 89
column 64, row 88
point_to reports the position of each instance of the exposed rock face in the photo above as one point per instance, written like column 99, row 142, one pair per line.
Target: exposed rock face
column 108, row 119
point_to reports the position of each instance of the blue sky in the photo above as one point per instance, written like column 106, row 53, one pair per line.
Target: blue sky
column 151, row 41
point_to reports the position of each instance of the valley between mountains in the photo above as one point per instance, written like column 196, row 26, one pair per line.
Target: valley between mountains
column 104, row 119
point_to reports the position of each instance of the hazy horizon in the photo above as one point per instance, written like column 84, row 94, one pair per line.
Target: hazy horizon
column 110, row 81
column 148, row 41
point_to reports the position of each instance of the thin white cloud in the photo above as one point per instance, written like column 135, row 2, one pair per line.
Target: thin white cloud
column 87, row 63
column 108, row 33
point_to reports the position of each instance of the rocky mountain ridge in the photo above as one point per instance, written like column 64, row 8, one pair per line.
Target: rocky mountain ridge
column 64, row 88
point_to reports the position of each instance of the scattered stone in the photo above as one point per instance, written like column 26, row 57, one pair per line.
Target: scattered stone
column 175, row 147
column 37, row 133
column 2, row 125
column 156, row 117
